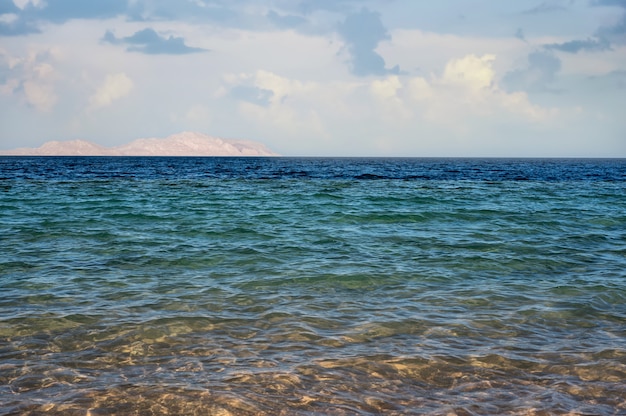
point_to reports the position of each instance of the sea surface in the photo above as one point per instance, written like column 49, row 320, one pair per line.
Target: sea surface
column 306, row 286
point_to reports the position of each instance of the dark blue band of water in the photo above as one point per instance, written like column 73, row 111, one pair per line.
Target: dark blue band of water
column 83, row 168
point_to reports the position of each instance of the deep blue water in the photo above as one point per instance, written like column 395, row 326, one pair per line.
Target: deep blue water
column 246, row 286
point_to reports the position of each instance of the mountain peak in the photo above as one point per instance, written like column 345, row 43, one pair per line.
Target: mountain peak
column 180, row 144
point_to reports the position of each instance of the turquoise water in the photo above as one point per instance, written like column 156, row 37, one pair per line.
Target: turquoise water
column 272, row 286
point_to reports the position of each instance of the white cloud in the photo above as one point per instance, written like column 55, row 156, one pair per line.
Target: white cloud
column 419, row 89
column 285, row 113
column 458, row 103
column 421, row 53
column 296, row 112
column 466, row 89
column 31, row 79
column 387, row 93
column 8, row 18
column 39, row 95
column 473, row 72
column 602, row 62
column 115, row 86
column 386, row 89
column 23, row 3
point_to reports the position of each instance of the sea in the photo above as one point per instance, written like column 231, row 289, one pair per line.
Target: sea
column 312, row 286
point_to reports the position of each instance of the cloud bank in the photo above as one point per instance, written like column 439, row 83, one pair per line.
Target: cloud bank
column 320, row 77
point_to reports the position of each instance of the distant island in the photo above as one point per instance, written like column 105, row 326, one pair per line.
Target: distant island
column 181, row 144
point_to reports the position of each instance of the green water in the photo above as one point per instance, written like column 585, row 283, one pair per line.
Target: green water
column 173, row 289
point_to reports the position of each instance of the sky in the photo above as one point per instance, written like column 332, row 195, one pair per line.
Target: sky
column 524, row 78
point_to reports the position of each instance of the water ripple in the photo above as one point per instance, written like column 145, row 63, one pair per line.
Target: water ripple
column 312, row 286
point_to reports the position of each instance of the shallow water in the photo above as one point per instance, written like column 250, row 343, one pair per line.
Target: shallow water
column 271, row 286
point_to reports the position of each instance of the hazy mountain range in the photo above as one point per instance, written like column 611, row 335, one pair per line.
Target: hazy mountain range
column 181, row 144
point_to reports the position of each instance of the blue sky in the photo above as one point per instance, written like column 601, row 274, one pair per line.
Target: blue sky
column 320, row 77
